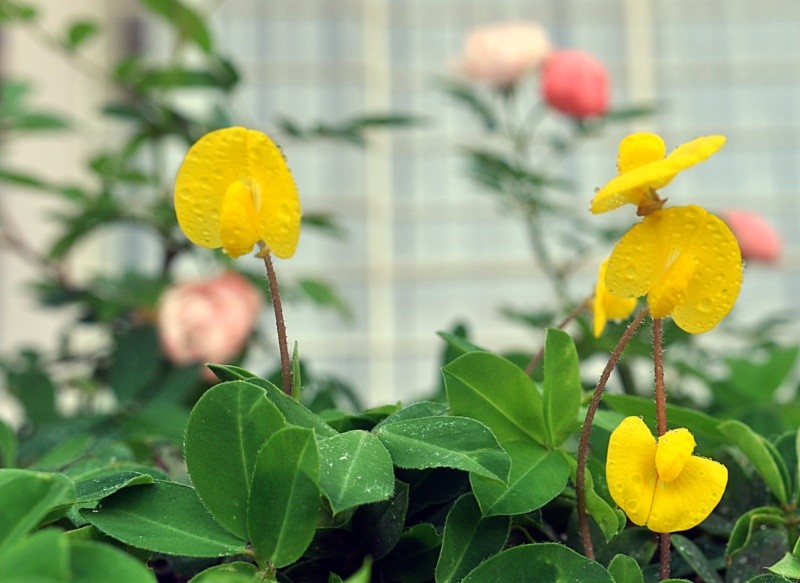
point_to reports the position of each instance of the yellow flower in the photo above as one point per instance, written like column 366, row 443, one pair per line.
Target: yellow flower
column 643, row 169
column 234, row 190
column 661, row 484
column 686, row 260
column 607, row 306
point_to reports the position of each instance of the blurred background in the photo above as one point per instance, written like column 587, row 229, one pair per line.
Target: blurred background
column 423, row 247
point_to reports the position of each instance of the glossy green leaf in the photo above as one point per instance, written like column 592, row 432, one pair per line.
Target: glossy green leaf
column 458, row 345
column 135, row 363
column 445, row 442
column 92, row 562
column 284, row 498
column 758, row 380
column 67, row 451
column 469, row 539
column 188, row 23
column 293, row 411
column 692, row 554
column 234, row 572
column 355, row 469
column 27, row 497
column 765, row 542
column 229, row 372
column 79, row 32
column 363, row 575
column 751, row 520
column 165, row 517
column 625, row 569
column 414, row 557
column 40, row 558
column 552, row 562
column 753, row 446
column 769, row 578
column 695, row 421
column 106, row 481
column 9, row 446
column 495, row 391
column 537, row 476
column 416, row 411
column 610, row 520
column 562, row 389
column 227, row 428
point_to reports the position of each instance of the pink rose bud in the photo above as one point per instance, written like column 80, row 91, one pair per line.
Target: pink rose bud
column 575, row 83
column 757, row 239
column 208, row 320
column 501, row 53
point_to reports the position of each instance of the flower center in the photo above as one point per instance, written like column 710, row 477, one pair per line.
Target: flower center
column 673, row 450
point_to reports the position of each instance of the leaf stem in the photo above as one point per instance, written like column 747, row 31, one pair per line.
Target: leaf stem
column 586, row 430
column 283, row 345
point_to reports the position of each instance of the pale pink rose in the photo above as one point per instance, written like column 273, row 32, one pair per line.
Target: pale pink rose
column 208, row 320
column 501, row 53
column 757, row 239
column 575, row 83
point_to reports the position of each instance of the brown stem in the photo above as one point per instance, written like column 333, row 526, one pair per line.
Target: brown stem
column 283, row 346
column 664, row 543
column 661, row 423
column 586, row 430
column 537, row 358
column 658, row 372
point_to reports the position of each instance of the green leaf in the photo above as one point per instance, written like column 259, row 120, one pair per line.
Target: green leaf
column 625, row 569
column 293, row 411
column 755, row 448
column 750, row 521
column 765, row 542
column 106, row 481
column 234, row 572
column 284, row 498
column 79, row 32
column 165, row 517
column 9, row 446
column 136, row 362
column 93, row 562
column 27, row 497
column 445, row 442
column 467, row 96
column 788, row 566
column 226, row 429
column 229, row 372
column 552, row 562
column 695, row 557
column 695, row 421
column 610, row 520
column 355, row 469
column 32, row 385
column 364, row 573
column 495, row 391
column 537, row 476
column 380, row 525
column 10, row 10
column 188, row 23
column 414, row 557
column 418, row 410
column 469, row 539
column 562, row 388
column 67, row 451
column 758, row 381
column 40, row 558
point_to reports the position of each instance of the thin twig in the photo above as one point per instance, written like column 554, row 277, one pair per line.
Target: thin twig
column 283, row 345
column 664, row 544
column 586, row 430
column 537, row 358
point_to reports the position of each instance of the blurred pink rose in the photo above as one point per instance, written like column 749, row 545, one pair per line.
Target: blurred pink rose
column 208, row 320
column 501, row 53
column 757, row 239
column 575, row 83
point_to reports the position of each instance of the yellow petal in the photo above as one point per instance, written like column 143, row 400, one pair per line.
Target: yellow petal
column 212, row 164
column 696, row 151
column 669, row 289
column 715, row 286
column 278, row 203
column 636, row 260
column 687, row 500
column 237, row 220
column 631, row 468
column 639, row 149
column 673, row 450
column 605, row 305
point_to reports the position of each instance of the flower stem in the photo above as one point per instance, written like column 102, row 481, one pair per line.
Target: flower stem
column 586, row 430
column 661, row 423
column 537, row 358
column 283, row 346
